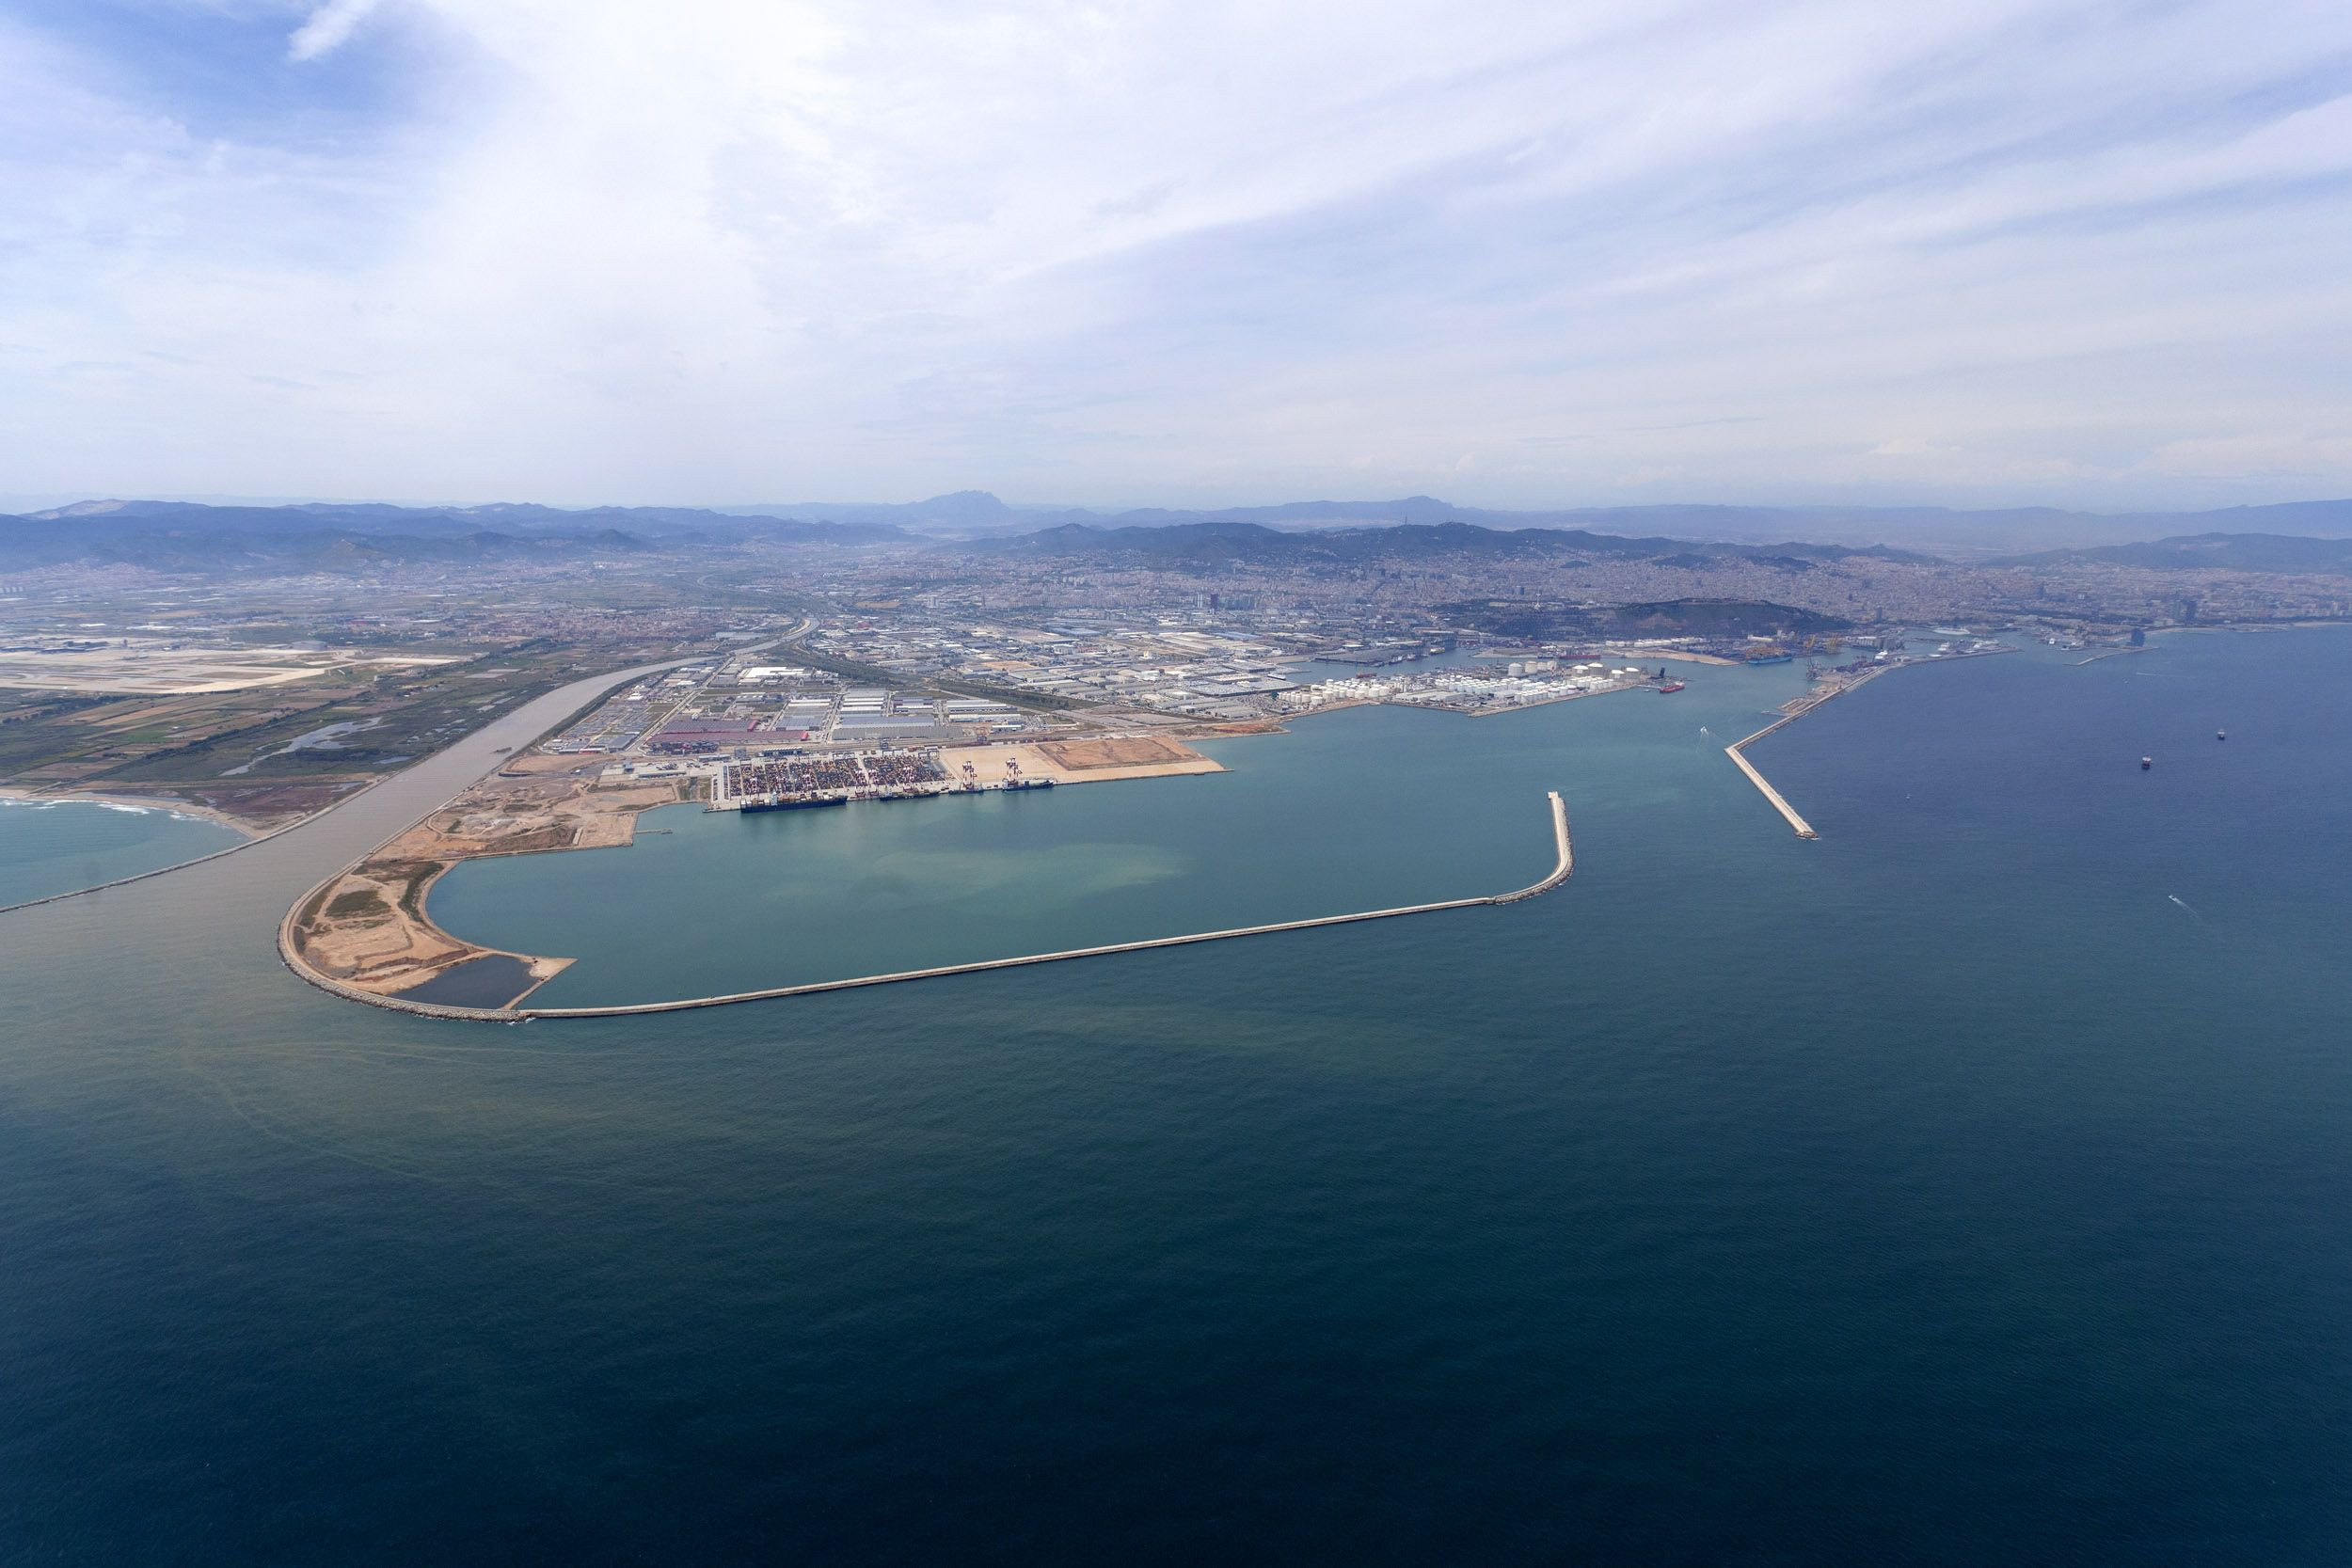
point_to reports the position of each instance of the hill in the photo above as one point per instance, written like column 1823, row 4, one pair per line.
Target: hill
column 1203, row 544
column 184, row 536
column 2227, row 552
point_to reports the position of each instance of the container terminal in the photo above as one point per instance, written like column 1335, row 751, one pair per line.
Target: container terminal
column 836, row 779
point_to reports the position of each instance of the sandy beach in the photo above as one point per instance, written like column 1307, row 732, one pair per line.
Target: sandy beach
column 247, row 826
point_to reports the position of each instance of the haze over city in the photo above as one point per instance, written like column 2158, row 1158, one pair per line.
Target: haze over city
column 1532, row 255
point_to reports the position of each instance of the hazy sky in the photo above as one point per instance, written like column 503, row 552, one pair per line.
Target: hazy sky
column 1976, row 252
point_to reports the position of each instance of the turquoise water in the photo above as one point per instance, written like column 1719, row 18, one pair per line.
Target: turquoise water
column 57, row 847
column 1967, row 1186
column 1367, row 808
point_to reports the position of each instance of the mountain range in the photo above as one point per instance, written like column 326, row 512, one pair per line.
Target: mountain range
column 1936, row 531
column 356, row 537
column 186, row 536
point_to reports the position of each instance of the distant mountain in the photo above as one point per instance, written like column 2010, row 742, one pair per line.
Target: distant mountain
column 184, row 536
column 977, row 515
column 964, row 513
column 26, row 543
column 2229, row 552
column 1728, row 620
column 1209, row 544
column 190, row 535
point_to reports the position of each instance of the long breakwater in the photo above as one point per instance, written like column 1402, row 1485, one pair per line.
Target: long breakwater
column 1798, row 709
column 1779, row 803
column 1563, row 865
column 1737, row 750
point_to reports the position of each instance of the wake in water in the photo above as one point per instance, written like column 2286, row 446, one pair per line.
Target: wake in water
column 2191, row 912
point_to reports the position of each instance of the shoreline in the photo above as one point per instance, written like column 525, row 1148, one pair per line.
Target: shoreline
column 242, row 843
column 368, row 927
column 251, row 830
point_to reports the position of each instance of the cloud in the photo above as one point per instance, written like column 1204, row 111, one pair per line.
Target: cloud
column 328, row 28
column 752, row 249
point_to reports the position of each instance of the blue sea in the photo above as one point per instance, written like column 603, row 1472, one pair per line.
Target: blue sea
column 53, row 846
column 1969, row 1185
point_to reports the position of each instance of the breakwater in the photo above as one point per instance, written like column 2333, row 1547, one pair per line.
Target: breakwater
column 1803, row 705
column 1778, row 801
column 1737, row 750
column 1563, row 865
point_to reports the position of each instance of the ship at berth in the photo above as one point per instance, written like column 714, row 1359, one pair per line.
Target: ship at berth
column 802, row 783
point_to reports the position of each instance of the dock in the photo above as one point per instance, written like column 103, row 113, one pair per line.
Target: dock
column 1563, row 865
column 1779, row 803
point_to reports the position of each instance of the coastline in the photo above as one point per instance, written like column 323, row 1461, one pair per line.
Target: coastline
column 251, row 828
column 368, row 927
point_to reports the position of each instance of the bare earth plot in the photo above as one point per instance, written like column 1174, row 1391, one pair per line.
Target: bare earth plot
column 1083, row 761
column 368, row 928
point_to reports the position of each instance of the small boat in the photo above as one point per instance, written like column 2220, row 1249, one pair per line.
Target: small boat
column 2146, row 763
column 2221, row 735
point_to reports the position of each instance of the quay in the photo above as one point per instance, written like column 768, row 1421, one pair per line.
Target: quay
column 1563, row 866
column 1779, row 803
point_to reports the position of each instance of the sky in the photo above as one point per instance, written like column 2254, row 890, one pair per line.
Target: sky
column 1979, row 253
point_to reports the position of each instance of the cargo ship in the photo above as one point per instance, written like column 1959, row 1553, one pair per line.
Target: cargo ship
column 777, row 803
column 1771, row 659
column 1669, row 687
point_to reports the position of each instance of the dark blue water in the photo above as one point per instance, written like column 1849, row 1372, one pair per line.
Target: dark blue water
column 1968, row 1186
column 491, row 981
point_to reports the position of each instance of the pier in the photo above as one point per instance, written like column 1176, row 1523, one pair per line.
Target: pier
column 1563, row 866
column 1738, row 749
column 1779, row 803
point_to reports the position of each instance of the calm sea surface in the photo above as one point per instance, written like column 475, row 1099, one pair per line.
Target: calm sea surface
column 1971, row 1185
column 51, row 846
